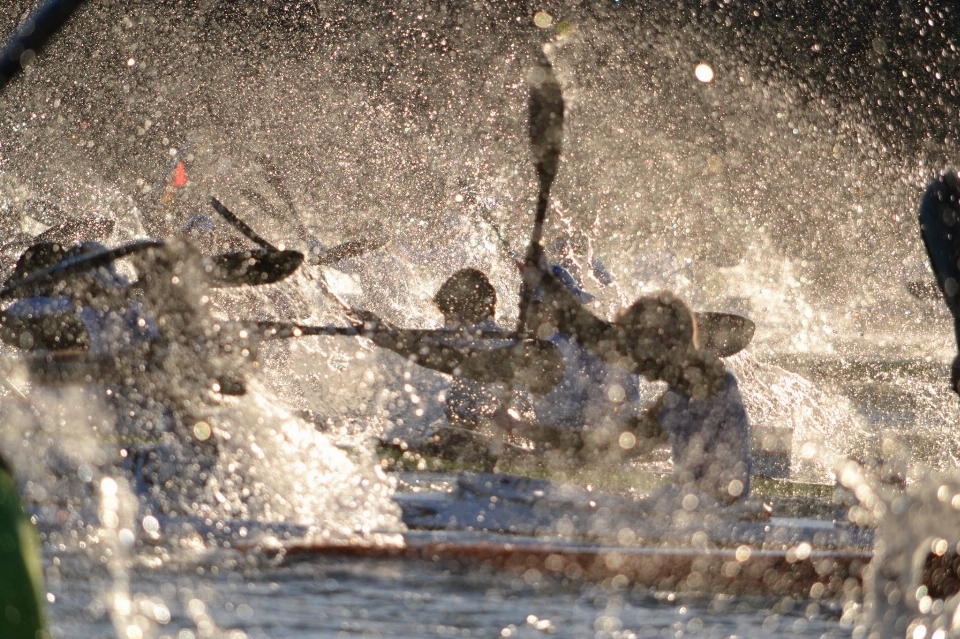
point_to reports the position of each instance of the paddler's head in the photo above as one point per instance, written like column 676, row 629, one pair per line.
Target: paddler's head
column 659, row 332
column 466, row 298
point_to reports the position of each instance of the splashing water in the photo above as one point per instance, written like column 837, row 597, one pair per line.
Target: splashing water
column 782, row 186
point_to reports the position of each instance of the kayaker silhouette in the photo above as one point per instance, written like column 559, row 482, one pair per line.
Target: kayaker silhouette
column 701, row 413
column 589, row 400
column 656, row 337
column 939, row 219
column 484, row 360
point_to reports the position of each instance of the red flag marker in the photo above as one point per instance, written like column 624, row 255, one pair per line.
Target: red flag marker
column 180, row 175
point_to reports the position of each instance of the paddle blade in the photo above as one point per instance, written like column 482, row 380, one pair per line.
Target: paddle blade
column 254, row 267
column 72, row 265
column 940, row 229
column 545, row 107
column 348, row 250
column 725, row 334
column 78, row 229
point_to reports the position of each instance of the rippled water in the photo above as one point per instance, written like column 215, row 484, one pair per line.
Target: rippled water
column 335, row 598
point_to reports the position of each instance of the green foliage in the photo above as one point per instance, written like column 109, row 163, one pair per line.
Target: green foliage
column 21, row 582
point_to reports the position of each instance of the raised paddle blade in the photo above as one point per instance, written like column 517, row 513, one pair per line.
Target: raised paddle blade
column 348, row 250
column 940, row 229
column 254, row 267
column 725, row 334
column 545, row 107
column 545, row 110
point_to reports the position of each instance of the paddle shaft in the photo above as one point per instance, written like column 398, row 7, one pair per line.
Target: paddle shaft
column 545, row 108
column 283, row 330
column 240, row 225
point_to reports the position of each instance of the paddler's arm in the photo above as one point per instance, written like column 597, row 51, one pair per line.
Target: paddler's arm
column 568, row 315
column 647, row 430
column 406, row 343
column 534, row 364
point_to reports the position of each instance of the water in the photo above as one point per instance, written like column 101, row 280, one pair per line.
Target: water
column 324, row 598
column 784, row 189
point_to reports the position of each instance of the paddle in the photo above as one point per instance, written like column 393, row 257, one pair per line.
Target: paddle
column 250, row 234
column 939, row 219
column 343, row 251
column 545, row 109
column 253, row 267
column 73, row 265
column 237, row 268
column 480, row 355
column 725, row 334
column 241, row 226
column 283, row 330
column 32, row 34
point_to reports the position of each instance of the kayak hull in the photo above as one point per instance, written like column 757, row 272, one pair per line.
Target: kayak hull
column 819, row 574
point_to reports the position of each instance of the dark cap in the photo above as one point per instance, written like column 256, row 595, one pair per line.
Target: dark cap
column 468, row 296
column 659, row 332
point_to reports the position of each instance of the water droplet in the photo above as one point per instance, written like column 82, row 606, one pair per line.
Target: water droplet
column 704, row 72
column 202, row 431
column 690, row 502
column 542, row 19
column 150, row 524
column 108, row 487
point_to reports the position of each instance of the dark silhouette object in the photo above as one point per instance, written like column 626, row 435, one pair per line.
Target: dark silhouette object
column 466, row 298
column 545, row 108
column 940, row 229
column 32, row 35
